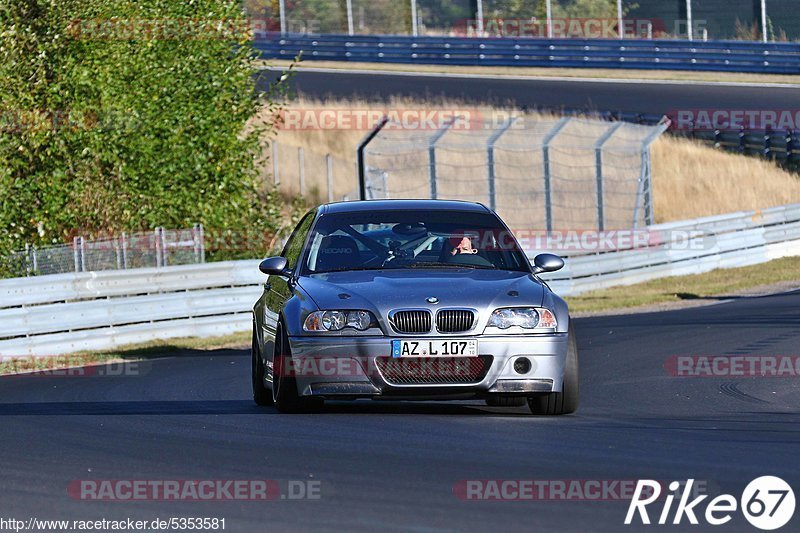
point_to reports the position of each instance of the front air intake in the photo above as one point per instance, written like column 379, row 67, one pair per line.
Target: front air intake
column 411, row 321
column 454, row 320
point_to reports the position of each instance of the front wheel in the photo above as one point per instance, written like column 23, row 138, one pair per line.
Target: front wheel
column 261, row 394
column 284, row 385
column 566, row 401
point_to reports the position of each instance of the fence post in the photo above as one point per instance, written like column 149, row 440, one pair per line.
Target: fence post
column 282, row 14
column 117, row 253
column 199, row 244
column 275, row 164
column 689, row 20
column 350, row 28
column 35, row 260
column 432, row 155
column 598, row 147
column 479, row 16
column 329, row 161
column 764, row 28
column 159, row 251
column 301, row 165
column 490, row 144
column 76, row 253
column 548, row 191
column 620, row 22
column 360, row 152
column 549, row 9
column 27, row 259
column 83, row 255
column 414, row 21
column 124, row 250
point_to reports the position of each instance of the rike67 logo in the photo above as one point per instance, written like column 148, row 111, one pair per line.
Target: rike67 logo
column 767, row 503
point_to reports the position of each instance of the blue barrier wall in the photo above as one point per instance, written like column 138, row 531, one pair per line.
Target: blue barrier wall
column 724, row 56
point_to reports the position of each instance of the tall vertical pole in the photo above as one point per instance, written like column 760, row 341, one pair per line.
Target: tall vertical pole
column 548, row 189
column 764, row 28
column 275, row 166
column 549, row 6
column 350, row 28
column 490, row 144
column 360, row 156
column 329, row 160
column 601, row 217
column 689, row 20
column 414, row 21
column 301, row 169
column 479, row 17
column 620, row 25
column 282, row 14
column 432, row 156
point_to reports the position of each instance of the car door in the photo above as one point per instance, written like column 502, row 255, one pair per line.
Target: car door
column 278, row 290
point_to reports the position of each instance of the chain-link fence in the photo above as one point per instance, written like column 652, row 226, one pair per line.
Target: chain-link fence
column 537, row 173
column 158, row 248
column 678, row 19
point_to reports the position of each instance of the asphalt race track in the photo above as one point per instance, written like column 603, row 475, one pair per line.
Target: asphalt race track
column 628, row 96
column 394, row 466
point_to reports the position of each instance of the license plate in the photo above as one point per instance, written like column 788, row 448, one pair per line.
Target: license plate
column 435, row 348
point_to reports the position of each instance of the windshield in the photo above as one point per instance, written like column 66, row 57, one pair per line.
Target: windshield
column 401, row 239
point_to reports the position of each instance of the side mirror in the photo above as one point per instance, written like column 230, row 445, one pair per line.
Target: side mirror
column 547, row 263
column 274, row 266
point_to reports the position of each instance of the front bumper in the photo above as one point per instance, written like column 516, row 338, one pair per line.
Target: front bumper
column 351, row 367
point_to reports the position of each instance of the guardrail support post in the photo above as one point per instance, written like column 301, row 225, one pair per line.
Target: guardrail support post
column 362, row 168
column 598, row 148
column 548, row 193
column 432, row 155
column 490, row 144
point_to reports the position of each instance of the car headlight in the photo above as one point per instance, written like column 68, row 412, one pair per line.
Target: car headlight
column 523, row 317
column 339, row 320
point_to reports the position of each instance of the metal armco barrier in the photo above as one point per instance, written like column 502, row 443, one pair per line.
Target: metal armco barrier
column 65, row 313
column 729, row 56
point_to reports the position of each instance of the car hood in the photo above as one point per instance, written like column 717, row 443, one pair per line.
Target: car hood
column 384, row 290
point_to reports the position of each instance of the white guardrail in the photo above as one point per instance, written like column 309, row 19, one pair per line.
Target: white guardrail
column 65, row 313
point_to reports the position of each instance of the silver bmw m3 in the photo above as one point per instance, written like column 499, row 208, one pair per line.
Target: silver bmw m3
column 411, row 300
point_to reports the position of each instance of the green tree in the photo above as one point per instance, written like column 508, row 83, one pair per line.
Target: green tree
column 126, row 114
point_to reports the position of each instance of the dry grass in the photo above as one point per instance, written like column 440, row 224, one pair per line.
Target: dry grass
column 690, row 179
column 632, row 74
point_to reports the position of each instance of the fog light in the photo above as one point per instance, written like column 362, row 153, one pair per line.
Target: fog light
column 522, row 365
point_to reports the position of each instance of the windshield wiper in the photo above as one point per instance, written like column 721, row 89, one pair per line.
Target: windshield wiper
column 446, row 265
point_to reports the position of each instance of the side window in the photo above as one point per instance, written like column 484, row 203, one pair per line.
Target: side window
column 294, row 246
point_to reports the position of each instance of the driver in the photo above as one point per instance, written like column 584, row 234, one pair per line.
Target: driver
column 462, row 245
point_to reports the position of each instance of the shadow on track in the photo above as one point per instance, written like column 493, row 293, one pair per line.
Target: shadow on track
column 246, row 407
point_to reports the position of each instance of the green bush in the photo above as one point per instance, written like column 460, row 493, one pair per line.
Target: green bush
column 127, row 114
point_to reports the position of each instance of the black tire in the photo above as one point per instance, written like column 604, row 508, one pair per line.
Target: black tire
column 499, row 400
column 261, row 394
column 566, row 401
column 284, row 386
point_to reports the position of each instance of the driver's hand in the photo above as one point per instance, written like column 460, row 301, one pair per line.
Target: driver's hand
column 464, row 247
